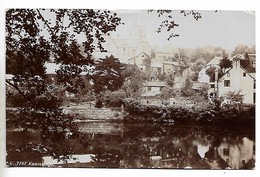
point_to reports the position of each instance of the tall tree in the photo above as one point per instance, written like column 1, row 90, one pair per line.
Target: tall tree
column 108, row 74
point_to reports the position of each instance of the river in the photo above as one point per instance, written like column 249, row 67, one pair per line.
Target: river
column 144, row 145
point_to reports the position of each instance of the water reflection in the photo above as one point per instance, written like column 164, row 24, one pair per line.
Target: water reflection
column 125, row 145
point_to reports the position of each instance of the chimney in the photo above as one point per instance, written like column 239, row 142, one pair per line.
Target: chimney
column 216, row 80
column 236, row 74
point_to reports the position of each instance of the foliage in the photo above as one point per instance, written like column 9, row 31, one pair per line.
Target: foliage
column 134, row 79
column 242, row 49
column 196, row 67
column 167, row 93
column 187, row 88
column 31, row 38
column 169, row 79
column 209, row 115
column 113, row 99
column 211, row 73
column 225, row 63
column 169, row 24
column 246, row 64
column 235, row 96
column 108, row 75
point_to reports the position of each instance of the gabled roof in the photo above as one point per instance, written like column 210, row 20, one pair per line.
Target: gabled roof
column 252, row 75
column 214, row 61
column 143, row 53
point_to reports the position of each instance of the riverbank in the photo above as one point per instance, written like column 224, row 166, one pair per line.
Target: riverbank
column 244, row 114
column 135, row 111
column 86, row 112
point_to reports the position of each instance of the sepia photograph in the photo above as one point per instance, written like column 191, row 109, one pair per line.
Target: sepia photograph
column 130, row 89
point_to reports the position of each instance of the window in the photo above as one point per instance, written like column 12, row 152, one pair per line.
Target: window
column 226, row 83
column 225, row 151
column 228, row 74
column 244, row 74
column 149, row 88
column 212, row 85
column 161, row 88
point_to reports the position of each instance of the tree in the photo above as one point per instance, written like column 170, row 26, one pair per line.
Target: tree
column 235, row 96
column 170, row 80
column 225, row 63
column 240, row 49
column 134, row 79
column 187, row 88
column 196, row 67
column 211, row 73
column 31, row 38
column 108, row 75
column 167, row 93
column 246, row 64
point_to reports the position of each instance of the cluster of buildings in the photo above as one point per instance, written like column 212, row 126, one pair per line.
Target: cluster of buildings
column 235, row 79
column 166, row 61
column 136, row 50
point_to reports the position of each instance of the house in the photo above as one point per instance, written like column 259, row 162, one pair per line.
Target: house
column 153, row 88
column 143, row 61
column 203, row 77
column 125, row 47
column 238, row 79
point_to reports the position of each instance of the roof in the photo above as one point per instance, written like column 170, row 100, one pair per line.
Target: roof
column 252, row 75
column 155, row 84
column 238, row 56
column 142, row 53
column 215, row 61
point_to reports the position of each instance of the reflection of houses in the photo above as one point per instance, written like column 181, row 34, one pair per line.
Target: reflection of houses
column 153, row 88
column 237, row 155
column 238, row 79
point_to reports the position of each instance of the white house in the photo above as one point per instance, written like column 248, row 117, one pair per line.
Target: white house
column 203, row 77
column 238, row 79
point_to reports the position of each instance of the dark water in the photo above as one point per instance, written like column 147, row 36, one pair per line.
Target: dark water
column 133, row 145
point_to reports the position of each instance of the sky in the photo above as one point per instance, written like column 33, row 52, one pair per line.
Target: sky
column 225, row 29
